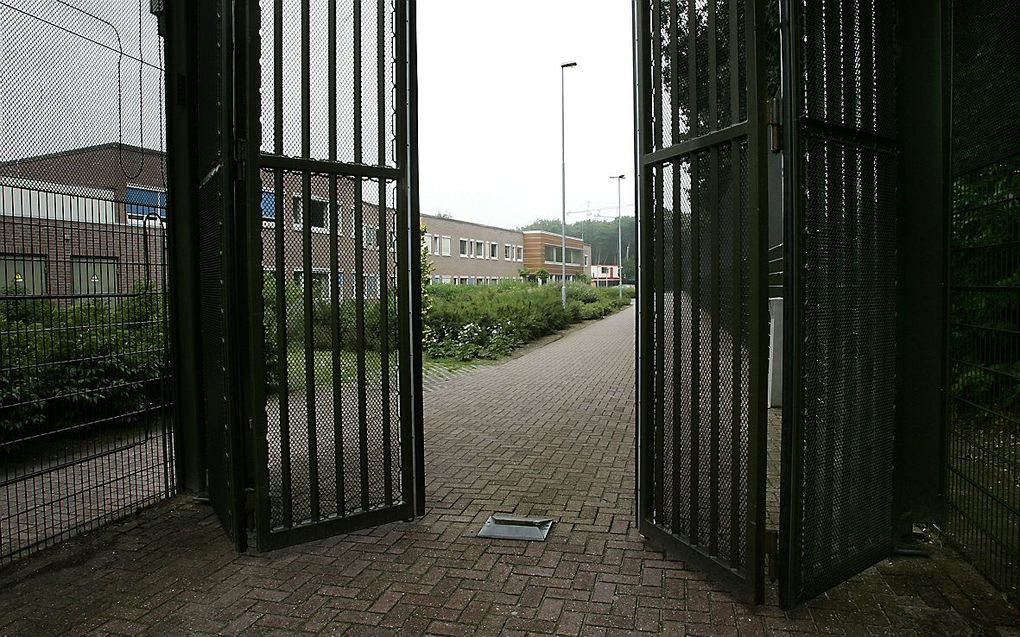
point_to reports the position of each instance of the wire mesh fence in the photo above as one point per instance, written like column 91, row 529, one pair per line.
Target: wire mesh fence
column 85, row 400
column 982, row 477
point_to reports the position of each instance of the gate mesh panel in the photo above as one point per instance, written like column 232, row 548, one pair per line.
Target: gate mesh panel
column 331, row 299
column 983, row 456
column 699, row 273
column 847, row 288
column 85, row 391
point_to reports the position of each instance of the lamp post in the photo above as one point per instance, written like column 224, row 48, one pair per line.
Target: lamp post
column 619, row 233
column 563, row 182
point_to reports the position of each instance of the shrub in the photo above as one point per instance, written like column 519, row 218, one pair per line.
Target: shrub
column 95, row 361
column 488, row 322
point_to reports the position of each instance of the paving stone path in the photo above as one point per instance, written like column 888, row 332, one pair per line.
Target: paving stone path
column 549, row 433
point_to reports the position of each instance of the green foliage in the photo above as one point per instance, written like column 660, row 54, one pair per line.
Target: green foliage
column 69, row 365
column 488, row 322
column 321, row 334
column 985, row 369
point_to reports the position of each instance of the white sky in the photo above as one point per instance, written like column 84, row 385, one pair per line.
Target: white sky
column 489, row 110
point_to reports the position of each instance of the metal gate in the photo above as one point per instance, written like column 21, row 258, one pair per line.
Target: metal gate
column 331, row 241
column 840, row 249
column 86, row 401
column 701, row 326
column 982, row 473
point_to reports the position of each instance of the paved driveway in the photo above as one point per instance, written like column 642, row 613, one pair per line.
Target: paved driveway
column 549, row 433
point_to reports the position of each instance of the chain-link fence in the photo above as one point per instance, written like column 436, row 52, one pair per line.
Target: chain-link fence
column 85, row 402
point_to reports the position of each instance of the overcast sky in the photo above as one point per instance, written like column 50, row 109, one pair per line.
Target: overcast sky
column 489, row 82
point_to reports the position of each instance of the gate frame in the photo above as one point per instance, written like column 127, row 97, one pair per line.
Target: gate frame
column 750, row 588
column 410, row 459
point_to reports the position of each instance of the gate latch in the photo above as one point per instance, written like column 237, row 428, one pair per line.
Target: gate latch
column 774, row 110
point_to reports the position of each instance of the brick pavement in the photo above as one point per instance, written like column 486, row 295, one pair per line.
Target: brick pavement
column 549, row 433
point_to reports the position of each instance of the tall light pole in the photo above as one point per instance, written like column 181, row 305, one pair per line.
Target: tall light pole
column 619, row 233
column 563, row 182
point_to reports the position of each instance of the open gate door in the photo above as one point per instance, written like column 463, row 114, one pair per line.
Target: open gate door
column 332, row 256
column 838, row 418
column 702, row 288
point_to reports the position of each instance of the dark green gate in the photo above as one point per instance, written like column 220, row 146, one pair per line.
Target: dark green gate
column 840, row 297
column 702, row 287
column 982, row 474
column 294, row 123
column 331, row 243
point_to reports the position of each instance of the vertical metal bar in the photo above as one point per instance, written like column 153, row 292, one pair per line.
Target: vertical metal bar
column 359, row 264
column 412, row 439
column 736, row 464
column 234, row 474
column 678, row 365
column 382, row 245
column 692, row 85
column 306, row 253
column 758, row 316
column 335, row 288
column 644, row 335
column 280, row 208
column 677, row 371
column 658, row 211
column 257, row 425
column 713, row 212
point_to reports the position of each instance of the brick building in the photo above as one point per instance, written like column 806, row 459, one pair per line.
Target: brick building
column 86, row 222
column 467, row 253
column 89, row 221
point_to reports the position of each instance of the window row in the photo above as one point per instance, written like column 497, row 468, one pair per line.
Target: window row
column 475, row 249
column 471, row 280
column 29, row 275
column 575, row 256
column 322, row 290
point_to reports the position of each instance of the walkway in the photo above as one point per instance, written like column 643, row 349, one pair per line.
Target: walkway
column 549, row 433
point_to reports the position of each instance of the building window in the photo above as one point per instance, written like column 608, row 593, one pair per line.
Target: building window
column 142, row 202
column 94, row 275
column 520, row 253
column 268, row 206
column 586, row 261
column 464, row 249
column 446, row 278
column 370, row 236
column 317, row 216
column 446, row 246
column 493, row 250
column 479, row 250
column 552, row 254
column 371, row 286
column 437, row 243
column 508, row 252
column 23, row 274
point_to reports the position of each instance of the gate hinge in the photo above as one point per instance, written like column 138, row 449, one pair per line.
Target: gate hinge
column 240, row 153
column 774, row 111
column 772, row 554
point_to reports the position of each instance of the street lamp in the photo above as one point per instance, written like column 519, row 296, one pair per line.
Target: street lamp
column 563, row 182
column 619, row 233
